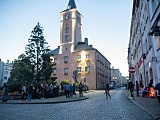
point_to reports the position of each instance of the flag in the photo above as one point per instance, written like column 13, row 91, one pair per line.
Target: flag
column 138, row 65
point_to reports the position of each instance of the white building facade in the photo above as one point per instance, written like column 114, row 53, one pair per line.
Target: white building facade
column 1, row 71
column 5, row 70
column 116, row 77
column 143, row 51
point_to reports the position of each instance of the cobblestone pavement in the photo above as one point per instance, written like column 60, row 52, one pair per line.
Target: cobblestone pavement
column 97, row 107
column 149, row 105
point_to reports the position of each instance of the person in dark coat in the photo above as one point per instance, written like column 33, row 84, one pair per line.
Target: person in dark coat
column 30, row 92
column 137, row 88
column 107, row 91
column 80, row 89
column 24, row 91
column 131, row 87
column 5, row 93
column 141, row 86
column 74, row 89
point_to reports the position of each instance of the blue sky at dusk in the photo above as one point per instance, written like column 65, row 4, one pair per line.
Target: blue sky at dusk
column 106, row 24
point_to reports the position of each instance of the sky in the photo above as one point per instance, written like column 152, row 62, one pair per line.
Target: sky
column 106, row 24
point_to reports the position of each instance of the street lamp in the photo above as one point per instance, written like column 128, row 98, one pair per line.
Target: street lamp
column 155, row 31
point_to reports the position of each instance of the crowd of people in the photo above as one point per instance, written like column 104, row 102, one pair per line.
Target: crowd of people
column 70, row 89
column 45, row 91
column 140, row 89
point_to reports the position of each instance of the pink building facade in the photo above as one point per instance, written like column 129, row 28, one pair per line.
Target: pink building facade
column 72, row 54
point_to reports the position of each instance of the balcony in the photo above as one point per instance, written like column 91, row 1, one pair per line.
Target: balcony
column 78, row 60
column 79, row 72
column 87, row 72
column 87, row 59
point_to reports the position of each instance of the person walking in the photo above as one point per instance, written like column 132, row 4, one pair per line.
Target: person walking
column 80, row 89
column 24, row 91
column 30, row 92
column 141, row 87
column 74, row 89
column 5, row 93
column 107, row 91
column 137, row 88
column 71, row 90
column 131, row 88
column 67, row 90
column 42, row 91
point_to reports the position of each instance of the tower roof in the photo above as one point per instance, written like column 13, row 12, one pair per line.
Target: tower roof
column 71, row 4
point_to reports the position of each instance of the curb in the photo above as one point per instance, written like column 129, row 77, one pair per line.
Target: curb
column 46, row 102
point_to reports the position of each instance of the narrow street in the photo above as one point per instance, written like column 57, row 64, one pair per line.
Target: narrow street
column 97, row 107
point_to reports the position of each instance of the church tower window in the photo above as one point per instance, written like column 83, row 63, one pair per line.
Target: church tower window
column 66, row 37
column 67, row 16
column 67, row 29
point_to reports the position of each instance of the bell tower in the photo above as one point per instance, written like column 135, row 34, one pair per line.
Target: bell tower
column 70, row 28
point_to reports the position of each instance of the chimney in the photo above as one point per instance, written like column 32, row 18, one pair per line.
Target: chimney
column 91, row 46
column 86, row 40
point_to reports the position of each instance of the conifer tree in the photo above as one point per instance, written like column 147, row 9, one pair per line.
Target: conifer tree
column 36, row 48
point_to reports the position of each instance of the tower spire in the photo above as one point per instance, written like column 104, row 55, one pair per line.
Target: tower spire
column 71, row 4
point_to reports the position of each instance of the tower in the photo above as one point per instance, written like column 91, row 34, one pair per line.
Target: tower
column 70, row 28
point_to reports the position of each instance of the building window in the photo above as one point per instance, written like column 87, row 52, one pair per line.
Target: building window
column 55, row 60
column 87, row 57
column 98, row 69
column 54, row 71
column 67, row 29
column 87, row 69
column 5, row 78
column 78, row 58
column 149, row 43
column 153, row 5
column 66, row 71
column 114, row 77
column 97, row 58
column 65, row 59
column 5, row 72
column 67, row 16
column 79, row 70
column 66, row 37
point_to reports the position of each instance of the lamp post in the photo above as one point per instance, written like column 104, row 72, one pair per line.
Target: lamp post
column 155, row 31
